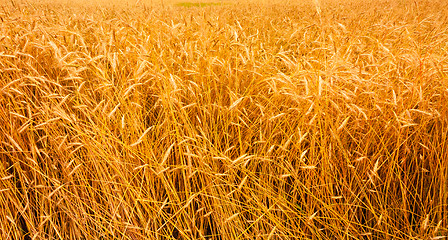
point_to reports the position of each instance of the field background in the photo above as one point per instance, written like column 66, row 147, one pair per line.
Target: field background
column 247, row 120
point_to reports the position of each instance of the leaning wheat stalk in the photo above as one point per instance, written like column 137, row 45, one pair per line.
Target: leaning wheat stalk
column 317, row 5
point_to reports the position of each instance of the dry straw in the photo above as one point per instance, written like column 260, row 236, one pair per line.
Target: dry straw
column 232, row 121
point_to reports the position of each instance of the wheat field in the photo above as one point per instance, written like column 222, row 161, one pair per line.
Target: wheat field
column 224, row 120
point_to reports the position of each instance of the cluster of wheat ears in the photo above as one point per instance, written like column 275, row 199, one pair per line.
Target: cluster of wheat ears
column 232, row 121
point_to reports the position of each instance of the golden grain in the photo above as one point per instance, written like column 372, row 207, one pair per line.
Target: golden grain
column 282, row 120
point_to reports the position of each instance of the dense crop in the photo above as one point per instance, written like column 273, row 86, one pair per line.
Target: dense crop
column 232, row 121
